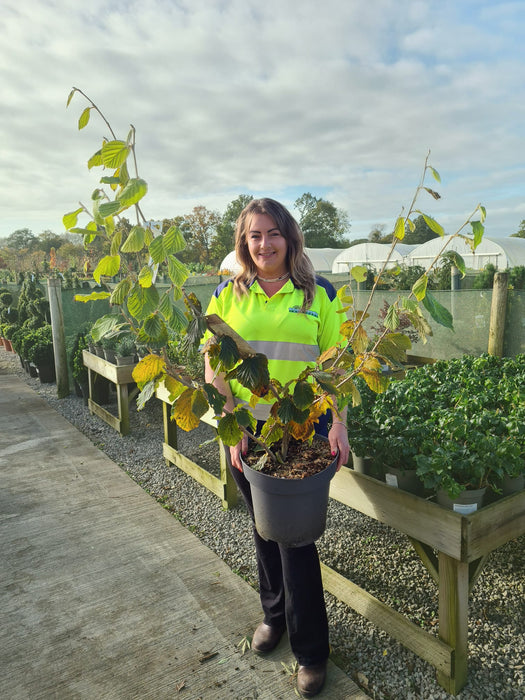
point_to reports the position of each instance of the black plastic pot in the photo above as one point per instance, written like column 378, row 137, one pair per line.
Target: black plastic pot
column 290, row 511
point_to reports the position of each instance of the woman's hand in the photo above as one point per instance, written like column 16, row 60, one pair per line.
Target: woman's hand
column 241, row 448
column 338, row 439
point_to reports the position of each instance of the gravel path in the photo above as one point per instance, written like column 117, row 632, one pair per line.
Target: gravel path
column 371, row 554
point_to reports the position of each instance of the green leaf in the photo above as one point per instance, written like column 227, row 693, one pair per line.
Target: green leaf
column 228, row 430
column 176, row 319
column 324, row 379
column 228, row 353
column 142, row 301
column 96, row 160
column 114, row 153
column 456, row 259
column 117, row 237
column 392, row 318
column 70, row 96
column 215, row 398
column 419, row 288
column 253, row 374
column 359, row 273
column 146, row 276
column 155, row 328
column 303, row 394
column 288, row 411
column 134, row 243
column 399, row 230
column 177, row 271
column 434, row 173
column 174, row 240
column 393, row 347
column 110, row 180
column 94, row 296
column 70, row 220
column 244, row 418
column 84, row 118
column 432, row 224
column 483, row 213
column 156, row 250
column 109, row 265
column 109, row 208
column 135, row 189
column 105, row 325
column 477, row 230
column 438, row 312
column 121, row 290
column 145, row 395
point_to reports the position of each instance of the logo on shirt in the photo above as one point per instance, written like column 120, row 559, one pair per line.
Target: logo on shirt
column 297, row 310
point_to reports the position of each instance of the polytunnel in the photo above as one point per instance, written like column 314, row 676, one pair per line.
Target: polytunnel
column 500, row 252
column 373, row 254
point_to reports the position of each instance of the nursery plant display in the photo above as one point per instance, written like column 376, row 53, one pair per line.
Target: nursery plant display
column 153, row 316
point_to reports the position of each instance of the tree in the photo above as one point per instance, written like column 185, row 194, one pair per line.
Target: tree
column 520, row 233
column 224, row 239
column 377, row 234
column 21, row 239
column 199, row 229
column 323, row 225
column 47, row 240
column 421, row 233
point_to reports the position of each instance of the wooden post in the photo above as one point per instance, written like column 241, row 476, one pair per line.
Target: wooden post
column 54, row 292
column 498, row 311
column 453, row 619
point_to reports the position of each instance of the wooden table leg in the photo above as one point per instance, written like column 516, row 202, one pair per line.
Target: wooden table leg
column 123, row 408
column 453, row 618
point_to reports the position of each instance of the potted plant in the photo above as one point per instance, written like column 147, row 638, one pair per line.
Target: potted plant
column 41, row 354
column 125, row 350
column 78, row 369
column 152, row 314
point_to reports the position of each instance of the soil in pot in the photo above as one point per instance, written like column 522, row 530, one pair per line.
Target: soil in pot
column 303, row 460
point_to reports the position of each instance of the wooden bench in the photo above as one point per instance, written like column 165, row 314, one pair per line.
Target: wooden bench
column 452, row 547
column 121, row 376
column 223, row 487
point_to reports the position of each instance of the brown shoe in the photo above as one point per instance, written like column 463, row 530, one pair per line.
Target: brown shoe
column 266, row 638
column 310, row 679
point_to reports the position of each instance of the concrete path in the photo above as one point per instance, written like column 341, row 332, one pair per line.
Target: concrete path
column 103, row 594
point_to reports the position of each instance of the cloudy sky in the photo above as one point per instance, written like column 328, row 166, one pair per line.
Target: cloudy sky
column 339, row 98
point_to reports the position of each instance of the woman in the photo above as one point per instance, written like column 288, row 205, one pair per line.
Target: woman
column 282, row 310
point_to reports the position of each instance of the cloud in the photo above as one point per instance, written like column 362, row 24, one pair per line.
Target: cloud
column 232, row 97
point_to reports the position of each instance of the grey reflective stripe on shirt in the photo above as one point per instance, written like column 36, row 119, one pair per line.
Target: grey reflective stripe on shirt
column 296, row 352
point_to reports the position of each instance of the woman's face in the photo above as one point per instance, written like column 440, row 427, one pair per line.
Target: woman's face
column 267, row 247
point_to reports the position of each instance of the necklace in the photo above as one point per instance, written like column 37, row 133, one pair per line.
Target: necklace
column 275, row 279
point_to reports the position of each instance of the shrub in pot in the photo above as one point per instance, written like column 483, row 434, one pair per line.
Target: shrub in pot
column 152, row 315
column 125, row 350
column 42, row 355
column 78, row 369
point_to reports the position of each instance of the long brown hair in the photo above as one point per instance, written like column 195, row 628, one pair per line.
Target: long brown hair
column 299, row 265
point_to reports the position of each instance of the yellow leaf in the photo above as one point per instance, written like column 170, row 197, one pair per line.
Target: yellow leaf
column 174, row 387
column 360, row 340
column 181, row 412
column 301, row 431
column 148, row 369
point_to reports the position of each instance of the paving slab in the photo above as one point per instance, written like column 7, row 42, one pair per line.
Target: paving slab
column 103, row 593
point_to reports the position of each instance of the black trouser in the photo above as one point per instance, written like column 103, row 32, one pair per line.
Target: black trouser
column 291, row 589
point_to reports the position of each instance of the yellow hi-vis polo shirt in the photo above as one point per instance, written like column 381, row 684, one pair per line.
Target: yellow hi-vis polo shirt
column 275, row 326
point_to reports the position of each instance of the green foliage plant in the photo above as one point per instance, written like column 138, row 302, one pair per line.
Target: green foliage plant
column 40, row 352
column 152, row 314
